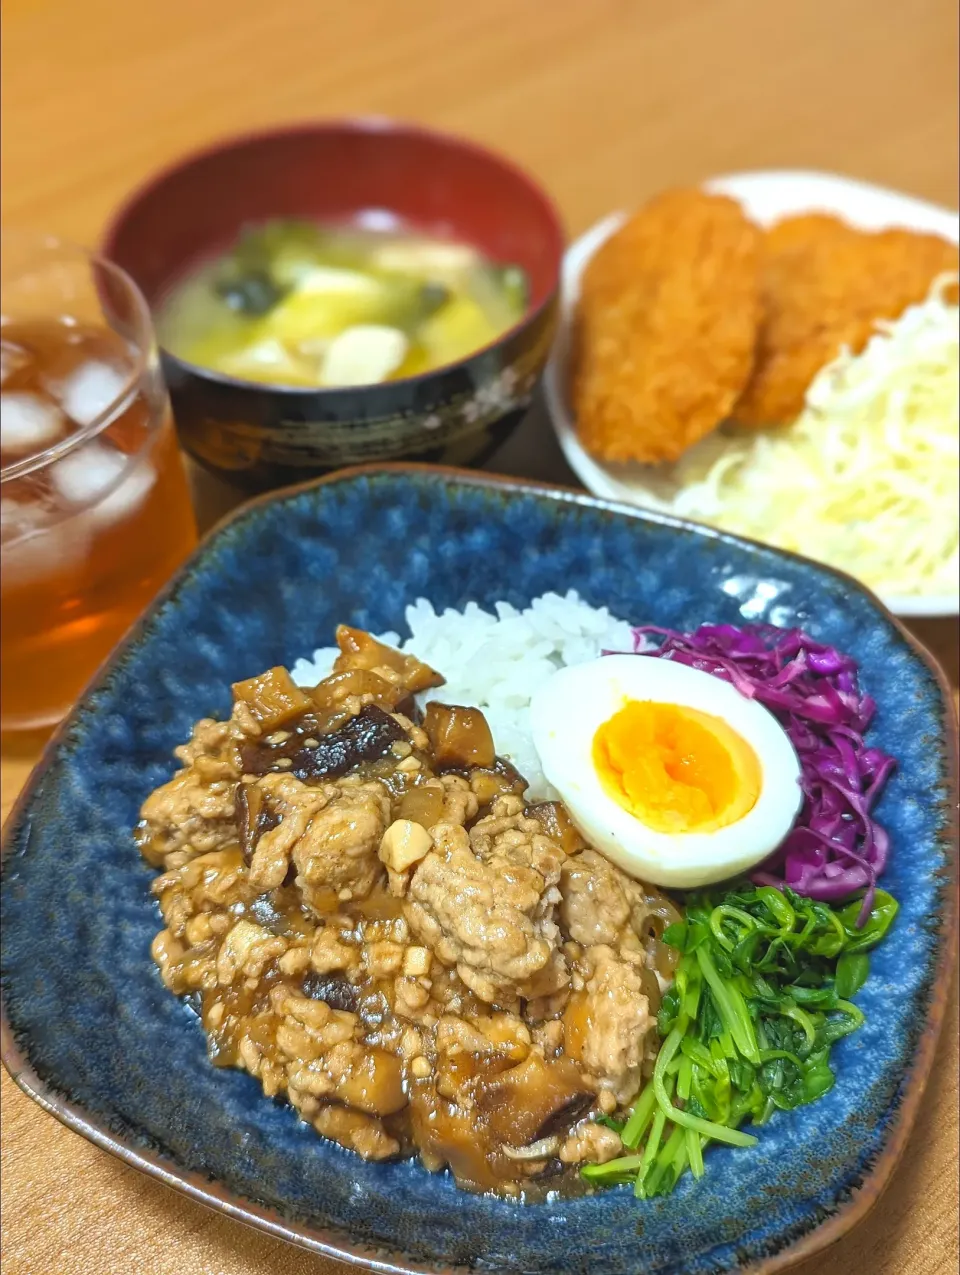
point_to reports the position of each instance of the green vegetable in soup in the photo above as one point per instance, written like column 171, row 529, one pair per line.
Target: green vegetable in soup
column 458, row 327
column 254, row 294
column 760, row 996
column 429, row 298
column 281, row 250
column 327, row 302
column 271, row 309
column 513, row 281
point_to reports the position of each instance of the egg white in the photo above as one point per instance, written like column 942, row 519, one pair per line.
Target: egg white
column 566, row 713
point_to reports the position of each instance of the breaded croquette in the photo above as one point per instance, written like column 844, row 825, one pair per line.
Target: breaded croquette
column 825, row 285
column 666, row 327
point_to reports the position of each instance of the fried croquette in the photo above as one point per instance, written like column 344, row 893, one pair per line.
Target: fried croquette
column 666, row 327
column 825, row 285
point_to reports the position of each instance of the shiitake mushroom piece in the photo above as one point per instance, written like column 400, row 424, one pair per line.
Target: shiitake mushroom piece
column 423, row 800
column 366, row 736
column 532, row 1100
column 253, row 816
column 329, row 695
column 361, row 650
column 422, row 803
column 491, row 782
column 459, row 736
column 557, row 825
column 272, row 697
column 337, row 992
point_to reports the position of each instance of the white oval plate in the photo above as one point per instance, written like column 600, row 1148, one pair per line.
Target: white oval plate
column 766, row 197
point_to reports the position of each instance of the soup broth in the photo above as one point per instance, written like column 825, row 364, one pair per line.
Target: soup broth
column 313, row 306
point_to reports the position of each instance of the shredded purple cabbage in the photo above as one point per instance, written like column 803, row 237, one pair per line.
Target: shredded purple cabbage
column 835, row 847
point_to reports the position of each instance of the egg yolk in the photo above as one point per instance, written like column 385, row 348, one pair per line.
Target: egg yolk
column 676, row 769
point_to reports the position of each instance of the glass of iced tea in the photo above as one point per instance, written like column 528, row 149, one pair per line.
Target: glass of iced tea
column 95, row 511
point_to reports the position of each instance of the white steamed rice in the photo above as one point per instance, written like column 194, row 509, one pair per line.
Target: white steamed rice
column 496, row 662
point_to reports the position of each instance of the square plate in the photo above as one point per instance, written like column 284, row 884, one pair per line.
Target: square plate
column 90, row 1031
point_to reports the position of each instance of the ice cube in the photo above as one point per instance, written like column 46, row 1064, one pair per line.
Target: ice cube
column 87, row 391
column 103, row 479
column 28, row 423
column 13, row 358
column 19, row 517
column 125, row 498
column 33, row 546
column 363, row 355
column 85, row 475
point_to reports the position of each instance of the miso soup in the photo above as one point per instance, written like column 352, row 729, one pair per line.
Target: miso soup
column 300, row 304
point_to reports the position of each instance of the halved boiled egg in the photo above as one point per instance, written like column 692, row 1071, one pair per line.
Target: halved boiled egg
column 670, row 772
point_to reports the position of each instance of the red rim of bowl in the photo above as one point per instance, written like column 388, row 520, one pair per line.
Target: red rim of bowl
column 359, row 124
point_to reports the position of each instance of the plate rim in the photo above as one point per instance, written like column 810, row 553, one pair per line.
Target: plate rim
column 340, row 1245
column 592, row 473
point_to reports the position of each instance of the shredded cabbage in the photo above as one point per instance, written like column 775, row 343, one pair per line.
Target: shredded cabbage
column 836, row 847
column 866, row 478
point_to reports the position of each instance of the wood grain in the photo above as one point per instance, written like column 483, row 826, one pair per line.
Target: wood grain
column 605, row 101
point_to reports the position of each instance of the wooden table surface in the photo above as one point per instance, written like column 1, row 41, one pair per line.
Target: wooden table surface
column 605, row 101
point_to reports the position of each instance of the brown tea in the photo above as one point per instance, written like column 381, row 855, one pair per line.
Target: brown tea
column 95, row 511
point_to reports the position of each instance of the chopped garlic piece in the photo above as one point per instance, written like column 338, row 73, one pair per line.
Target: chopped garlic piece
column 404, row 843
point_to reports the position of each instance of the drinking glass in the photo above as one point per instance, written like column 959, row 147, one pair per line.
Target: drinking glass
column 95, row 511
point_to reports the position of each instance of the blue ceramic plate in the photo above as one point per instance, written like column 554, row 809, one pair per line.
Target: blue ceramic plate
column 92, row 1034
